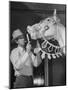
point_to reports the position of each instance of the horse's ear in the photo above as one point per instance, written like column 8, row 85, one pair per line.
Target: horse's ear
column 54, row 14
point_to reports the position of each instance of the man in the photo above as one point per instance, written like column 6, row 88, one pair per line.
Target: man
column 23, row 60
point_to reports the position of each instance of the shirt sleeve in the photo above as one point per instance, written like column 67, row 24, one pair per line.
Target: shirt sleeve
column 36, row 60
column 14, row 57
column 18, row 60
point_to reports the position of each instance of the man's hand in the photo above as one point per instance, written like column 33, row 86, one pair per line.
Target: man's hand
column 28, row 48
column 36, row 50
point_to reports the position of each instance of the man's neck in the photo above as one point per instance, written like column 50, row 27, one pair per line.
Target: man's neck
column 22, row 47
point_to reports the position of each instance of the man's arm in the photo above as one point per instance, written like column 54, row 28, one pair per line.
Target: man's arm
column 18, row 60
column 36, row 60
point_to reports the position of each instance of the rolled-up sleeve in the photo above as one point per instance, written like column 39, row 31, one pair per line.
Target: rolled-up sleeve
column 18, row 60
column 36, row 60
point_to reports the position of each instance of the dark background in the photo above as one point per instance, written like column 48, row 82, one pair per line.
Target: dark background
column 23, row 14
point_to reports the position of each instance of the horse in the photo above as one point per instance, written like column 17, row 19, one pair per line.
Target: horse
column 46, row 29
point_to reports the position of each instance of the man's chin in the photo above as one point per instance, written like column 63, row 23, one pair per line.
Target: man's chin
column 22, row 45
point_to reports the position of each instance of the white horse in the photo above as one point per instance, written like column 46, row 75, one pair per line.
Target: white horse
column 47, row 29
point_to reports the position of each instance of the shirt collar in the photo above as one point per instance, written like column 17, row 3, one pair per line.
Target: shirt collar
column 20, row 48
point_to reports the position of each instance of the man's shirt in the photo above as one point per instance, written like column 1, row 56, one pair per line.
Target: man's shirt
column 22, row 61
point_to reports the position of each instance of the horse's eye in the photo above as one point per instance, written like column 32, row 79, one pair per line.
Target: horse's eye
column 46, row 27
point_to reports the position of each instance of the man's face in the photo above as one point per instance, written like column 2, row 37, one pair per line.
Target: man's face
column 21, row 41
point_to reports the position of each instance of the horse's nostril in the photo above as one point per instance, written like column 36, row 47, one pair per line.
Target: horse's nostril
column 48, row 19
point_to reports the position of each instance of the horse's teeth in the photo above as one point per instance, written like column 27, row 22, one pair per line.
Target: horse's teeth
column 49, row 57
column 53, row 55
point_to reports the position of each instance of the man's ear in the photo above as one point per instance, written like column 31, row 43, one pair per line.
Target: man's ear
column 16, row 41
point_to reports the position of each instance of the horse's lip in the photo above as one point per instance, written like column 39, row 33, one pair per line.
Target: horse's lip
column 48, row 37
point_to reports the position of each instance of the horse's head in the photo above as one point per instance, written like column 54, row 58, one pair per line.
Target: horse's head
column 45, row 28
